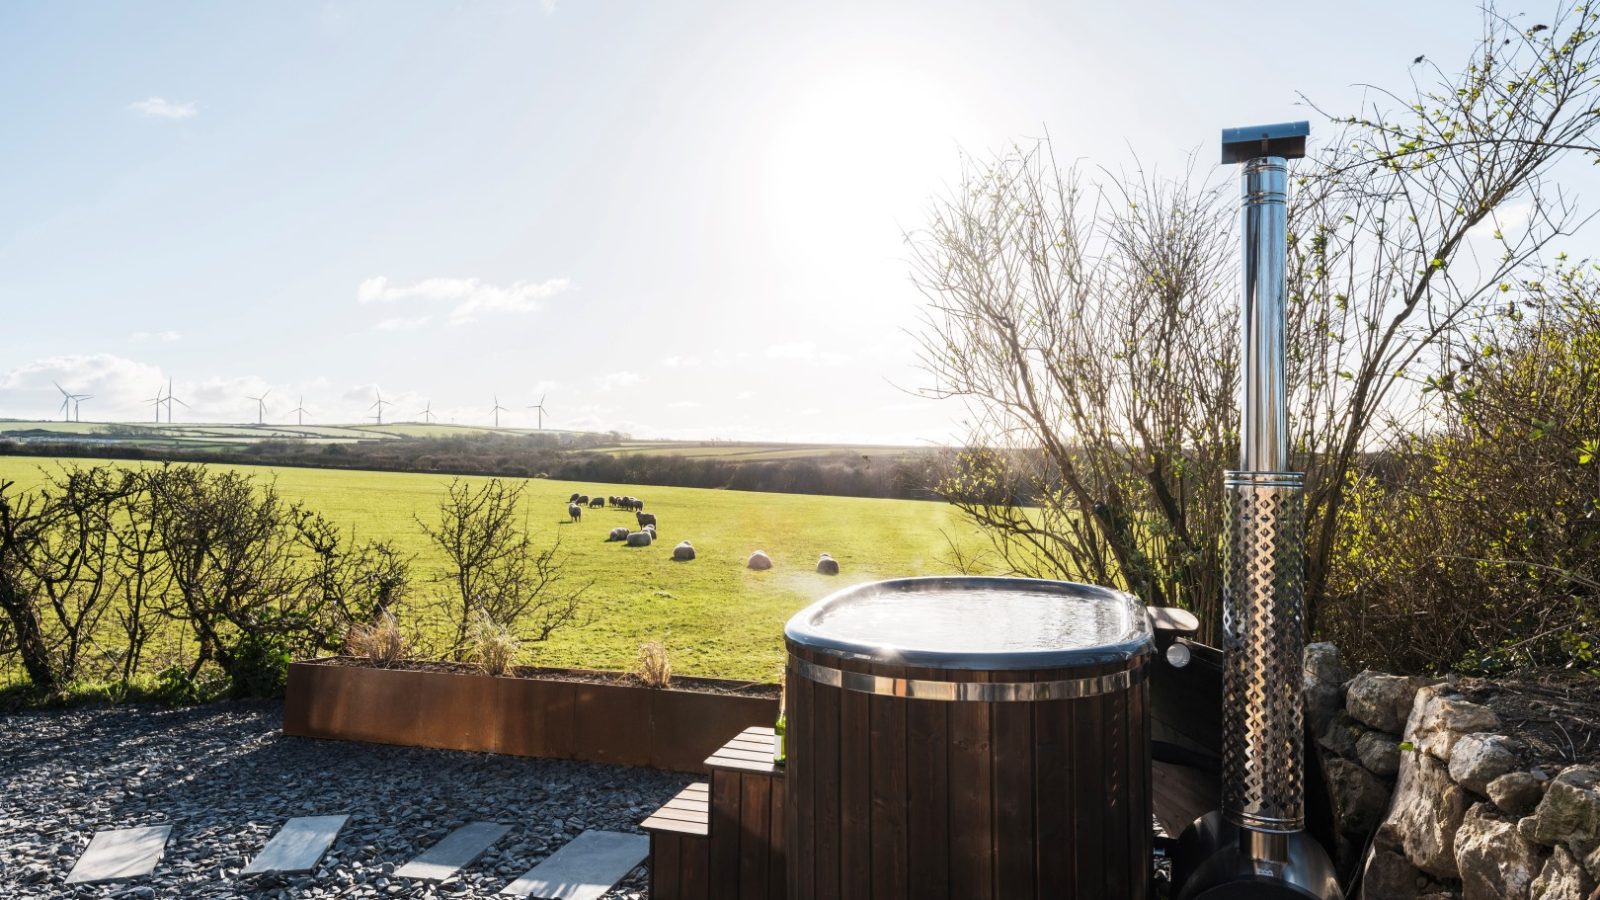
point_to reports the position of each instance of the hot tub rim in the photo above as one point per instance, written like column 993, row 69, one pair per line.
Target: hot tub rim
column 798, row 631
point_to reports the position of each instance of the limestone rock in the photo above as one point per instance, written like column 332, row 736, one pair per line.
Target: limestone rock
column 1340, row 735
column 1569, row 814
column 1496, row 863
column 1516, row 793
column 1481, row 758
column 1562, row 878
column 1389, row 876
column 1426, row 811
column 1379, row 752
column 1359, row 797
column 1439, row 719
column 759, row 561
column 1383, row 701
column 1322, row 678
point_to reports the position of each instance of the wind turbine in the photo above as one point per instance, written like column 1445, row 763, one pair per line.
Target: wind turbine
column 157, row 400
column 540, row 407
column 66, row 403
column 497, row 410
column 261, row 406
column 77, row 401
column 379, row 406
column 300, row 411
column 171, row 400
column 427, row 413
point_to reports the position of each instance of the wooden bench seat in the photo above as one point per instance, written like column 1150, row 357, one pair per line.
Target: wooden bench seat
column 680, row 849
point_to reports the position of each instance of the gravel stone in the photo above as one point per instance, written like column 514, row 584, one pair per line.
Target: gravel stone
column 226, row 778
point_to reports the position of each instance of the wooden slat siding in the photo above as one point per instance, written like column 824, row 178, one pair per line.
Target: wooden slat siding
column 1088, row 796
column 726, row 797
column 971, row 773
column 755, row 831
column 1054, row 793
column 1118, row 789
column 1013, row 799
column 825, row 790
column 694, row 869
column 777, row 845
column 799, row 804
column 887, row 743
column 855, row 796
column 928, row 798
column 665, row 876
column 1139, row 750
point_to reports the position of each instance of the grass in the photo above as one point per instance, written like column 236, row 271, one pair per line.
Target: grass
column 716, row 617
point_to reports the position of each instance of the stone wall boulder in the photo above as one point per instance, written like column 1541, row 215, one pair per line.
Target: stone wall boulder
column 1358, row 796
column 1440, row 718
column 1562, row 878
column 1383, row 701
column 1390, row 876
column 1569, row 814
column 1379, row 752
column 1496, row 863
column 1322, row 678
column 1481, row 758
column 1516, row 793
column 1424, row 815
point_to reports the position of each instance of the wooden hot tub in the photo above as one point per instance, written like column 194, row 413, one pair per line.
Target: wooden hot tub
column 969, row 738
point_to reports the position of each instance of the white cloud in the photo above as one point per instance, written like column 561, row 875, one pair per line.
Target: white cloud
column 549, row 6
column 681, row 362
column 618, row 380
column 684, row 404
column 403, row 323
column 160, row 108
column 805, row 351
column 164, row 337
column 468, row 296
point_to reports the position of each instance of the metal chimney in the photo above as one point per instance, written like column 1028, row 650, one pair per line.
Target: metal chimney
column 1258, row 837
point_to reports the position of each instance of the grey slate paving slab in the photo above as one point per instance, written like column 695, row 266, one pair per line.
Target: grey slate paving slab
column 583, row 869
column 298, row 845
column 120, row 854
column 455, row 850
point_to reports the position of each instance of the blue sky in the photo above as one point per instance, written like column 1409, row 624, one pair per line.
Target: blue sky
column 676, row 219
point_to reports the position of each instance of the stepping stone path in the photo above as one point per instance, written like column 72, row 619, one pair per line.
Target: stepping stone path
column 121, row 854
column 457, row 849
column 583, row 869
column 298, row 845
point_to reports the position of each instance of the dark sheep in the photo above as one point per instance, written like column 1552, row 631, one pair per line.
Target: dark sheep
column 583, row 498
column 574, row 511
column 598, row 501
column 574, row 498
column 645, row 518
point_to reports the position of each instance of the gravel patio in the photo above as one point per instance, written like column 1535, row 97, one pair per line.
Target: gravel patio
column 226, row 779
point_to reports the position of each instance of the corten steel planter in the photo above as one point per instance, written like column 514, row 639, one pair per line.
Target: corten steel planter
column 546, row 712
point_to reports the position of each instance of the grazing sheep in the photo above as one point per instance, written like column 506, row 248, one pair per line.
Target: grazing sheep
column 683, row 552
column 598, row 501
column 759, row 561
column 650, row 528
column 584, row 499
column 639, row 539
column 645, row 519
column 827, row 565
column 638, row 504
column 574, row 511
column 620, row 533
column 574, row 498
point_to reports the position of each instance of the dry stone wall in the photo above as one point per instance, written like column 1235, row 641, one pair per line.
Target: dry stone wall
column 1433, row 800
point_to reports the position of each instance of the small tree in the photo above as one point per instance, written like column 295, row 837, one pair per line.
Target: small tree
column 493, row 569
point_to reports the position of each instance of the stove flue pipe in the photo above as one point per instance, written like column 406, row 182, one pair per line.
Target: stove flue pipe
column 1256, row 845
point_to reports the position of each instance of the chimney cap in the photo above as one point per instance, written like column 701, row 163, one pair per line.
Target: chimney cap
column 1285, row 139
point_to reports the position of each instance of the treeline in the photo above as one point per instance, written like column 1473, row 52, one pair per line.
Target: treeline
column 899, row 474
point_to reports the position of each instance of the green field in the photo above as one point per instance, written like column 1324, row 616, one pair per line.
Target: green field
column 717, row 617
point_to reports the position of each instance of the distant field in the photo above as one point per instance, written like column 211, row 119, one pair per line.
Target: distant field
column 717, row 617
column 734, row 452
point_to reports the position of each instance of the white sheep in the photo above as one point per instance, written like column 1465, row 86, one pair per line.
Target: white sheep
column 683, row 552
column 827, row 565
column 759, row 561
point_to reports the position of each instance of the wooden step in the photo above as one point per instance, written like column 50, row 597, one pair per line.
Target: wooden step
column 680, row 846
